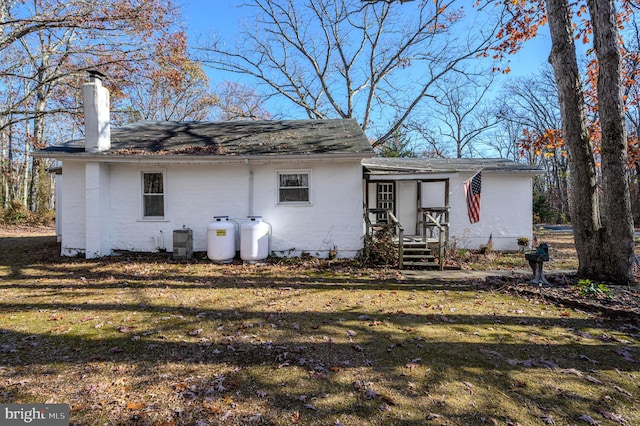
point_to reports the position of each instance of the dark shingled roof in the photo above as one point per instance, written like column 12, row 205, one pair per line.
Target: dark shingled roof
column 443, row 165
column 231, row 138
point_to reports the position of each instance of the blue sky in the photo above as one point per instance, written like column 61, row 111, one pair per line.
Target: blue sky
column 202, row 17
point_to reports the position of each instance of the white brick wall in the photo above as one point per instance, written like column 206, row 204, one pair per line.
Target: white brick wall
column 194, row 193
column 72, row 198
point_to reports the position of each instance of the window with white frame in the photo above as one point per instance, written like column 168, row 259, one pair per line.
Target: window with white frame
column 152, row 195
column 293, row 187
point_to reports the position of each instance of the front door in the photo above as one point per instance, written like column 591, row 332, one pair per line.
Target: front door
column 385, row 199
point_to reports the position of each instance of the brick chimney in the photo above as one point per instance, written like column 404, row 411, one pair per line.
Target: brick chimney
column 95, row 101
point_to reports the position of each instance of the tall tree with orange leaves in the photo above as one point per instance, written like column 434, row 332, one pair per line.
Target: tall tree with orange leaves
column 603, row 229
column 46, row 47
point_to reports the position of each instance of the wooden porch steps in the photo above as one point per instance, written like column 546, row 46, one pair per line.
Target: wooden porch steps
column 418, row 255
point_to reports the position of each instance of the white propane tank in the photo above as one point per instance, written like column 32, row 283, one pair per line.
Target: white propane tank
column 254, row 239
column 221, row 240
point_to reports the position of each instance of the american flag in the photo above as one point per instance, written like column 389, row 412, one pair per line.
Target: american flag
column 472, row 189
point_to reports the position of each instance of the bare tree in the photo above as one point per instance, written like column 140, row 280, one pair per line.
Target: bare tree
column 239, row 102
column 632, row 95
column 458, row 116
column 171, row 87
column 372, row 61
column 530, row 113
column 46, row 45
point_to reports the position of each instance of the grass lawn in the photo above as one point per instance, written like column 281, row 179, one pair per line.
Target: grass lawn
column 143, row 340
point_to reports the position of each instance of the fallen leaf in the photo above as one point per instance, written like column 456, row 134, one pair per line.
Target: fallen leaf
column 211, row 407
column 593, row 380
column 76, row 408
column 517, row 385
column 586, row 358
column 572, row 371
column 621, row 390
column 588, row 419
column 548, row 419
column 624, row 353
column 492, row 353
column 180, row 386
column 613, row 417
column 371, row 394
column 135, row 406
column 385, row 408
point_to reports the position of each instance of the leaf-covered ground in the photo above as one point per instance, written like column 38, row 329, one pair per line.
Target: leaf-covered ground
column 143, row 340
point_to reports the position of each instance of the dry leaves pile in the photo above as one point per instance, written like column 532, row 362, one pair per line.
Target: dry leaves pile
column 143, row 340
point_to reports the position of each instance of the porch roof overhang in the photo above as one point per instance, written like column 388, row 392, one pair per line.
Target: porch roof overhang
column 414, row 168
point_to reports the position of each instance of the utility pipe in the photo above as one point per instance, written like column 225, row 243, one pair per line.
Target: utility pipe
column 246, row 161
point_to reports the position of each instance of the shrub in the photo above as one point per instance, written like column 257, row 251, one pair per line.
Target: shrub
column 587, row 287
column 486, row 248
column 18, row 214
column 379, row 248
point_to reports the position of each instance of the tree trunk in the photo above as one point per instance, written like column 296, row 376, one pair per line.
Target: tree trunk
column 4, row 171
column 618, row 248
column 37, row 193
column 583, row 198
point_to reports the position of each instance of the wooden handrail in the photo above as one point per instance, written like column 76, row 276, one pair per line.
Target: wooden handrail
column 400, row 228
column 442, row 230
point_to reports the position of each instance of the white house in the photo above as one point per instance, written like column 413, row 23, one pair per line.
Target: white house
column 129, row 188
column 314, row 181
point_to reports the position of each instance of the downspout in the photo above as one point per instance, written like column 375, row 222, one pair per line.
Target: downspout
column 246, row 161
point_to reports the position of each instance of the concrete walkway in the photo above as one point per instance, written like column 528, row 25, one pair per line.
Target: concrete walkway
column 455, row 275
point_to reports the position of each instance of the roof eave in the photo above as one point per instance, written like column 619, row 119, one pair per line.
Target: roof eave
column 409, row 171
column 203, row 159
